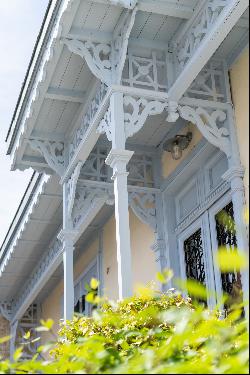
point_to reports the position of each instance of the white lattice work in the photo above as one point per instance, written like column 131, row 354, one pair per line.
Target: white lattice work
column 4, row 332
column 197, row 31
column 146, row 72
column 87, row 119
column 28, row 323
column 210, row 83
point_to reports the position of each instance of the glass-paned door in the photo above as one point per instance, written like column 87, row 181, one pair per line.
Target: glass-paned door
column 198, row 247
column 225, row 237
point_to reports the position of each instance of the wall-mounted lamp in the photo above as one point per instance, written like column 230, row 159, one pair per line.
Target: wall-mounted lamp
column 177, row 144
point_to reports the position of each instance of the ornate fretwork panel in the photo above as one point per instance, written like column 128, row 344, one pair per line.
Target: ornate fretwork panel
column 40, row 270
column 226, row 237
column 143, row 205
column 210, row 83
column 28, row 323
column 199, row 28
column 146, row 72
column 211, row 123
column 6, row 309
column 137, row 110
column 88, row 118
column 95, row 168
column 71, row 189
column 53, row 153
column 106, row 60
column 194, row 258
column 85, row 199
column 4, row 332
column 140, row 169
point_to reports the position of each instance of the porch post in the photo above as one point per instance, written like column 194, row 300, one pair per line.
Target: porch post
column 13, row 331
column 235, row 176
column 67, row 238
column 118, row 159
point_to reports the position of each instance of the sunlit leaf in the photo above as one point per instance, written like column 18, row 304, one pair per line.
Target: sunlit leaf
column 193, row 288
column 165, row 276
column 18, row 354
column 4, row 339
column 94, row 284
column 230, row 260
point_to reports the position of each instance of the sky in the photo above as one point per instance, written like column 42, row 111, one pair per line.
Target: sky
column 19, row 27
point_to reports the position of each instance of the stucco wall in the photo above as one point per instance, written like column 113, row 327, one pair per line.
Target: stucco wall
column 168, row 163
column 143, row 261
column 240, row 93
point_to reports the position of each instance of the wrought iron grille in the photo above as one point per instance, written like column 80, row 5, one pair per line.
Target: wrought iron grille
column 226, row 237
column 194, row 258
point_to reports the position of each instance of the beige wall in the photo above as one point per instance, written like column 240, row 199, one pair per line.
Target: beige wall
column 143, row 260
column 168, row 163
column 51, row 307
column 240, row 92
column 143, row 266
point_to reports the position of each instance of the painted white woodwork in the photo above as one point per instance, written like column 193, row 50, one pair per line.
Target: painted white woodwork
column 201, row 38
column 13, row 332
column 44, row 68
column 106, row 60
column 67, row 237
column 164, row 7
column 118, row 160
column 54, row 93
column 235, row 176
column 6, row 310
column 71, row 191
column 207, row 123
column 52, row 151
column 38, row 279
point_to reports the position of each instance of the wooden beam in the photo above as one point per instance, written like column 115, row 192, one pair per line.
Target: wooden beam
column 65, row 95
column 213, row 39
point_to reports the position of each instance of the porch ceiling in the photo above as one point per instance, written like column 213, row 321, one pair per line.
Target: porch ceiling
column 32, row 239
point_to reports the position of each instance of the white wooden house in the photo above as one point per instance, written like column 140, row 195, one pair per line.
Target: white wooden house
column 127, row 118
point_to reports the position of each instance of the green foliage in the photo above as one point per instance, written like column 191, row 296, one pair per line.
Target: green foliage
column 150, row 333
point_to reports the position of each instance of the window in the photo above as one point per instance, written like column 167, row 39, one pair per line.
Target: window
column 198, row 245
column 194, row 257
column 226, row 237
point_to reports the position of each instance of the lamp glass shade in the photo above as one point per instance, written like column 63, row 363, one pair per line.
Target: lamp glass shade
column 176, row 151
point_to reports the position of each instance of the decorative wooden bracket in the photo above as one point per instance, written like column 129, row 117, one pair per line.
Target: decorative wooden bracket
column 143, row 204
column 52, row 151
column 106, row 60
column 207, row 125
column 71, row 189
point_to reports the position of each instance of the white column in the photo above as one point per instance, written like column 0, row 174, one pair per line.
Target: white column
column 66, row 236
column 118, row 159
column 235, row 176
column 13, row 331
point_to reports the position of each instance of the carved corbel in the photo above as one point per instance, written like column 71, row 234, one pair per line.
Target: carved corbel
column 52, row 151
column 106, row 60
column 143, row 204
column 120, row 43
column 97, row 56
column 207, row 124
column 105, row 125
column 137, row 110
column 71, row 189
column 6, row 310
column 85, row 199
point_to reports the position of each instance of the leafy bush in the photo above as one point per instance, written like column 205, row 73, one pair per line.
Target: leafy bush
column 150, row 333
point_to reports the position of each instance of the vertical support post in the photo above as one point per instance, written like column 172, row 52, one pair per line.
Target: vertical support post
column 118, row 159
column 66, row 236
column 13, row 331
column 235, row 176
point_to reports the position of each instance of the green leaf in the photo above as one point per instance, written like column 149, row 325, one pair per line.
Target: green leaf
column 94, row 284
column 18, row 354
column 229, row 260
column 193, row 288
column 165, row 276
